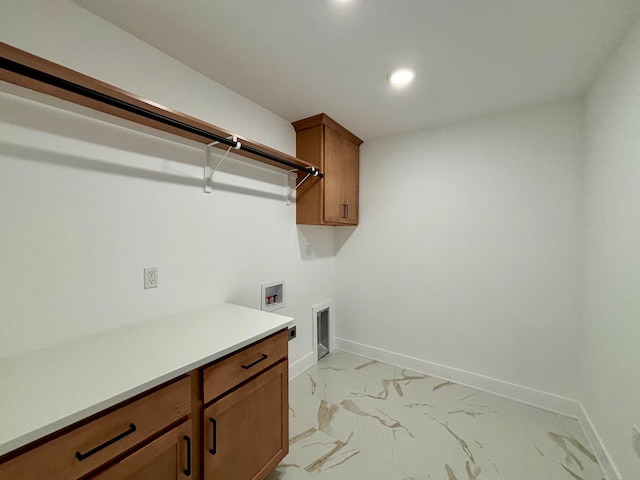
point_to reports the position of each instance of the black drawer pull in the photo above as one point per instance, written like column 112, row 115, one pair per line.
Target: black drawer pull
column 214, row 441
column 263, row 357
column 129, row 431
column 187, row 472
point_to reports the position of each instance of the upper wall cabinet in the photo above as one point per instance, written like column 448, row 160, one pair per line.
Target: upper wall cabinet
column 334, row 150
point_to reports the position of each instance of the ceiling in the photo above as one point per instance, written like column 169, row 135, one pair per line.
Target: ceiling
column 298, row 58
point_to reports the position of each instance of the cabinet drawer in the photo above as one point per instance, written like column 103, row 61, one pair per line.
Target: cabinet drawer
column 89, row 446
column 235, row 369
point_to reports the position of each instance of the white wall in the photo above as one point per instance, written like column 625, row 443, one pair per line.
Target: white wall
column 610, row 353
column 87, row 201
column 466, row 255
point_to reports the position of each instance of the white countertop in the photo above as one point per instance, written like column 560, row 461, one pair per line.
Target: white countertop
column 45, row 390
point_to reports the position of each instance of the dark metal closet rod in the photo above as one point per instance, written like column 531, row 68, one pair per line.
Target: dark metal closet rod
column 40, row 76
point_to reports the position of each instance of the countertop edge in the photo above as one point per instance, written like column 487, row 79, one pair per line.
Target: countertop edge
column 50, row 428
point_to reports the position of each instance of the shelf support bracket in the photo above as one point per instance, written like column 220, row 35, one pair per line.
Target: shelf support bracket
column 208, row 170
column 290, row 176
column 303, row 180
column 288, row 191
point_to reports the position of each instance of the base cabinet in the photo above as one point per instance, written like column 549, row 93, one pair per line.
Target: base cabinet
column 246, row 431
column 169, row 457
column 225, row 421
column 94, row 444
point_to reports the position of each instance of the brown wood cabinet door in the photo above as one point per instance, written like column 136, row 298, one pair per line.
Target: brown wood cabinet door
column 333, row 205
column 349, row 184
column 247, row 431
column 168, row 457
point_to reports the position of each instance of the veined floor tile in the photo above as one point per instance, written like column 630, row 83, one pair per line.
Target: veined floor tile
column 352, row 418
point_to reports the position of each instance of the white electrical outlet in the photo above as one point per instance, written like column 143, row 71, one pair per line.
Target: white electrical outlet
column 151, row 278
column 636, row 439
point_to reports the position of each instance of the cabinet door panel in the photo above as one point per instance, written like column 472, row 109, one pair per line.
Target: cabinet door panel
column 247, row 431
column 333, row 205
column 349, row 183
column 166, row 458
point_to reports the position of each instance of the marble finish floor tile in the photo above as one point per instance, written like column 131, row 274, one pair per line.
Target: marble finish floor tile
column 356, row 418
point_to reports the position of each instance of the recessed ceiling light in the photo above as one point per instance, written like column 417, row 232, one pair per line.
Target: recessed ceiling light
column 401, row 77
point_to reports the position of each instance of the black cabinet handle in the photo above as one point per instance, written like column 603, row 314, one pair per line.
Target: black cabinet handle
column 129, row 431
column 214, row 434
column 345, row 210
column 187, row 472
column 263, row 357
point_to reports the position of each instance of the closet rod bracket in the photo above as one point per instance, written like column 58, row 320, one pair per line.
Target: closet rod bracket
column 290, row 176
column 208, row 169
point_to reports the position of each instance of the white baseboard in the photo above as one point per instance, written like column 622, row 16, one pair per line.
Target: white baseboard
column 529, row 396
column 299, row 366
column 601, row 452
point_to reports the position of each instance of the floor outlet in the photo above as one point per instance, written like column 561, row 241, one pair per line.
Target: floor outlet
column 151, row 278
